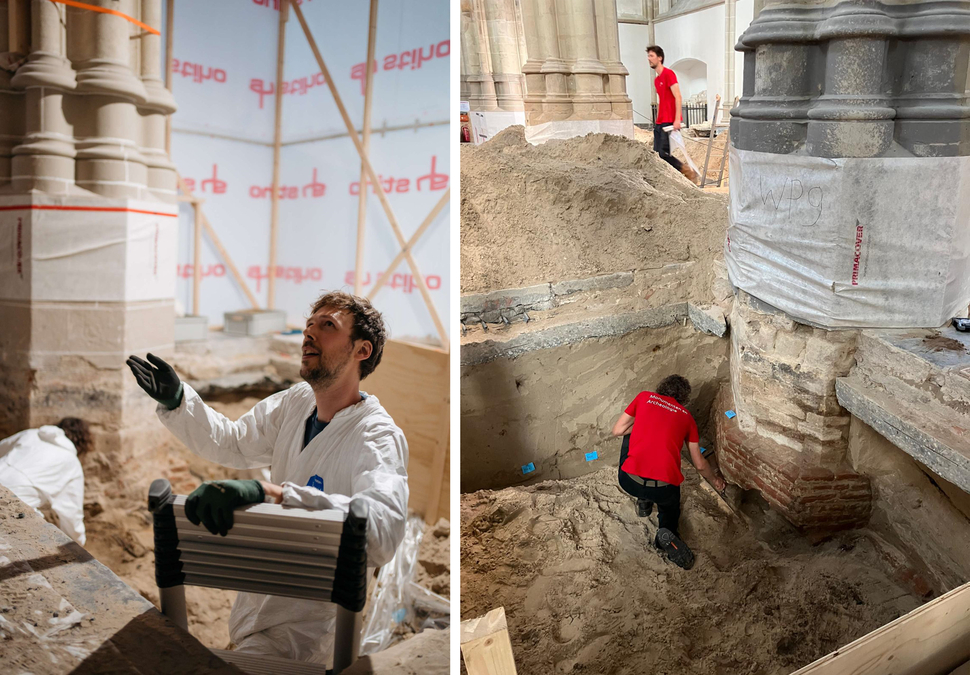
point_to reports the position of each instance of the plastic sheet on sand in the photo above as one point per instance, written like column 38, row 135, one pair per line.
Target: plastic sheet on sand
column 880, row 242
column 399, row 605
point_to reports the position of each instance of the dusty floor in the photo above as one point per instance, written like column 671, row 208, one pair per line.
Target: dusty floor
column 120, row 532
column 578, row 208
column 585, row 591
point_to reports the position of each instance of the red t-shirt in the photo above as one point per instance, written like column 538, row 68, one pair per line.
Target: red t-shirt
column 660, row 427
column 666, row 108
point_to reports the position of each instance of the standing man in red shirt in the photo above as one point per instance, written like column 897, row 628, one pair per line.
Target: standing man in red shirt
column 668, row 110
column 655, row 427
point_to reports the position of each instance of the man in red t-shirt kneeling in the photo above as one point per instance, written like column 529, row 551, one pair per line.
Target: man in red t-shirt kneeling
column 654, row 428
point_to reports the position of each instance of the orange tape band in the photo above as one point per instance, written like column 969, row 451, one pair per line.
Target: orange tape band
column 104, row 10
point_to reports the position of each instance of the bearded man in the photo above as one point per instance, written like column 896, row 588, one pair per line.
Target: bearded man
column 326, row 442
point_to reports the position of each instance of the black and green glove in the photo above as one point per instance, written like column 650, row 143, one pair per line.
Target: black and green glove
column 212, row 502
column 159, row 380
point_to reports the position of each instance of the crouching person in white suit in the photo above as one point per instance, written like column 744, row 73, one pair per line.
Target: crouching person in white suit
column 326, row 443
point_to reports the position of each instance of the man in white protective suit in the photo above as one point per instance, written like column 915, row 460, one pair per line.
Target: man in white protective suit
column 41, row 467
column 326, row 443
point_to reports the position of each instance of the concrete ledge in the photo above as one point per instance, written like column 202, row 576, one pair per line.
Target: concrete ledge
column 708, row 319
column 569, row 333
column 928, row 441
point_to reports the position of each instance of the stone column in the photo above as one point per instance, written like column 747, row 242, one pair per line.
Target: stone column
column 45, row 159
column 730, row 38
column 12, row 102
column 608, row 37
column 478, row 77
column 503, row 45
column 159, row 104
column 109, row 162
column 577, row 33
column 545, row 71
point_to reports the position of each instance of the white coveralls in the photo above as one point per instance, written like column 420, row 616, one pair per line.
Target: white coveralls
column 360, row 454
column 40, row 466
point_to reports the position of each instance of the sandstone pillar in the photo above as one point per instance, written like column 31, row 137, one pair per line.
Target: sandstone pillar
column 87, row 276
column 476, row 73
column 503, row 41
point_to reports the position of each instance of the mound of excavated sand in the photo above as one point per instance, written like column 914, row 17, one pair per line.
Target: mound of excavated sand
column 577, row 208
column 585, row 591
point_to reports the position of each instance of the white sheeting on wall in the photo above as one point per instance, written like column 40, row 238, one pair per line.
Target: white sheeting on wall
column 879, row 242
column 222, row 143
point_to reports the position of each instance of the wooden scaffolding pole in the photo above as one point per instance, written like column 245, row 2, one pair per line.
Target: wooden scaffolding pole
column 411, row 242
column 196, row 256
column 368, row 91
column 274, row 218
column 219, row 247
column 169, row 33
column 381, row 196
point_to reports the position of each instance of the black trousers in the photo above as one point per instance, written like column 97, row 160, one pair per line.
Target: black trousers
column 661, row 145
column 666, row 497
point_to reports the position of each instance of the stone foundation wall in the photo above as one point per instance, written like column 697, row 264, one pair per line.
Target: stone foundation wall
column 808, row 495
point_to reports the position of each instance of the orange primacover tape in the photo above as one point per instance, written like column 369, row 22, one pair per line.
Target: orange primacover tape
column 104, row 10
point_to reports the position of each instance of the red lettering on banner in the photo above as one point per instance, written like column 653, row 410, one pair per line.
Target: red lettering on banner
column 300, row 85
column 316, row 189
column 436, row 181
column 294, row 274
column 218, row 186
column 188, row 271
column 405, row 282
column 857, row 253
column 197, row 71
column 414, row 58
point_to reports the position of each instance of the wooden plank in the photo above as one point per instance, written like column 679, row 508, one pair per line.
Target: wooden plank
column 381, row 195
column 196, row 255
column 485, row 645
column 412, row 383
column 931, row 640
column 169, row 41
column 368, row 97
column 411, row 242
column 274, row 218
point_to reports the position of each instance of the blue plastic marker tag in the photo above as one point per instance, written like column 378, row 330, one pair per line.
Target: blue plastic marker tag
column 730, row 414
column 590, row 456
column 529, row 468
column 705, row 451
column 399, row 615
column 315, row 482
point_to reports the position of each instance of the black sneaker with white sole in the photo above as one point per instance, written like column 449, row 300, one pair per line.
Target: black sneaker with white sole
column 677, row 551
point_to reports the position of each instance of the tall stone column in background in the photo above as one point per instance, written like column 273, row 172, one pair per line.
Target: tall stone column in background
column 88, row 225
column 478, row 87
column 878, row 91
column 503, row 44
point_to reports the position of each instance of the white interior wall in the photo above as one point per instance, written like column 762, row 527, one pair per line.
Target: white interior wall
column 697, row 35
column 235, row 44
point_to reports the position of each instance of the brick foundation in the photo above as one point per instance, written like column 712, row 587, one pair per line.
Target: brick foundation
column 809, row 496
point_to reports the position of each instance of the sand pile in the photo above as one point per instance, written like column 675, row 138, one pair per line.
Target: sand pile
column 585, row 591
column 578, row 208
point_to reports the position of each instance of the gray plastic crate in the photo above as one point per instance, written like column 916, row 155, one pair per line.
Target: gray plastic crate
column 254, row 322
column 191, row 328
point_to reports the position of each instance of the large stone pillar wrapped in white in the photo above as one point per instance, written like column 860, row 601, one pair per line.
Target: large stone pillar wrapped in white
column 88, row 222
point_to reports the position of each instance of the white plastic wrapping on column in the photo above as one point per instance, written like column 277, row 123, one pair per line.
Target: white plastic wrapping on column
column 879, row 242
column 224, row 71
column 74, row 250
column 547, row 131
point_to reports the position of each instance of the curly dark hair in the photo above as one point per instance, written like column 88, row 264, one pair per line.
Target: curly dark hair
column 676, row 387
column 78, row 432
column 368, row 324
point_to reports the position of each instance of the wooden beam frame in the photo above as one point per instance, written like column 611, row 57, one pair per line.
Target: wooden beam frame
column 368, row 99
column 169, row 42
column 219, row 247
column 196, row 256
column 378, row 189
column 274, row 218
column 411, row 242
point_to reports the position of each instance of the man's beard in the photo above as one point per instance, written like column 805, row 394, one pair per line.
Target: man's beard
column 327, row 372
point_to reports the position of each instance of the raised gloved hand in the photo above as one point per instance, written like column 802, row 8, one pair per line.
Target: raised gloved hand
column 212, row 502
column 159, row 380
